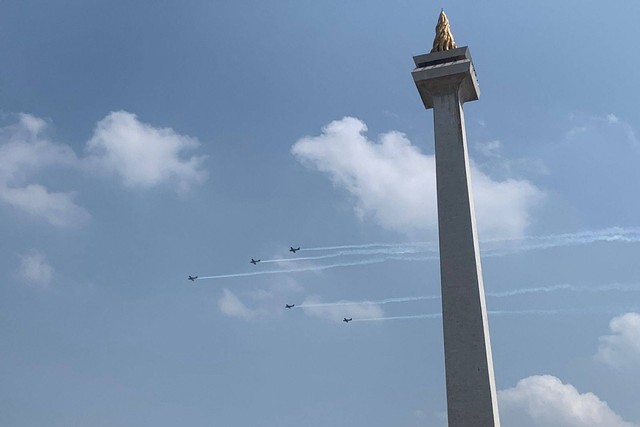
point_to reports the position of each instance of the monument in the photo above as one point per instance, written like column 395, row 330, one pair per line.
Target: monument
column 446, row 79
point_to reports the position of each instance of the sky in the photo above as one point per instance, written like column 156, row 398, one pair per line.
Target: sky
column 142, row 142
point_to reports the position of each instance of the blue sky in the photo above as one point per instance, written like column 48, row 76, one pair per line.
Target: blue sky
column 141, row 142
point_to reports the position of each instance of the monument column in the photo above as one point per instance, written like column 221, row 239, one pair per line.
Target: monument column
column 446, row 79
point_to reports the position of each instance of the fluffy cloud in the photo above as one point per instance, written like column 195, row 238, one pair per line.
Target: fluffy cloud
column 490, row 148
column 26, row 148
column 230, row 305
column 35, row 270
column 57, row 208
column 544, row 401
column 395, row 183
column 143, row 156
column 336, row 312
column 265, row 301
column 24, row 151
column 621, row 349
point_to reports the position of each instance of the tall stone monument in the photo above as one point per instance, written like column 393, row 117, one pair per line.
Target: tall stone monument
column 446, row 79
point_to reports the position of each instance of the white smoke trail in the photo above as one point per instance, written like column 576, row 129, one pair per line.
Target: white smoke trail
column 308, row 258
column 367, row 246
column 367, row 302
column 572, row 288
column 587, row 234
column 398, row 252
column 534, row 290
column 577, row 239
column 613, row 233
column 535, row 312
column 417, row 316
column 553, row 242
column 541, row 289
column 624, row 287
column 310, row 268
column 540, row 312
column 294, row 270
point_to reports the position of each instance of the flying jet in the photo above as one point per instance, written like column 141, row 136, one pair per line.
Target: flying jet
column 193, row 278
column 345, row 320
column 289, row 305
column 294, row 250
column 254, row 261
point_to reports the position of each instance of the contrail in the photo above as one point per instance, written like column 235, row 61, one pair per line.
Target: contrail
column 534, row 290
column 490, row 312
column 417, row 316
column 616, row 233
column 294, row 270
column 308, row 258
column 310, row 268
column 574, row 240
column 573, row 288
column 367, row 246
column 367, row 302
column 554, row 242
column 613, row 234
column 597, row 234
column 541, row 312
column 397, row 252
column 384, row 251
column 515, row 292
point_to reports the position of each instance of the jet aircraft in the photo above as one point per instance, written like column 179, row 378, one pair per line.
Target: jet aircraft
column 289, row 305
column 294, row 250
column 193, row 278
column 254, row 261
column 345, row 320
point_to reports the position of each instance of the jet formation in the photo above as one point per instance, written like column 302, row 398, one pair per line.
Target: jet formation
column 255, row 262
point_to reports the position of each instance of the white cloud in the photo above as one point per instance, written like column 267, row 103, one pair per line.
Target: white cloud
column 395, row 183
column 503, row 207
column 576, row 130
column 335, row 313
column 25, row 148
column 35, row 270
column 57, row 208
column 266, row 301
column 140, row 154
column 24, row 151
column 490, row 148
column 612, row 118
column 230, row 305
column 144, row 156
column 544, row 401
column 621, row 349
column 272, row 295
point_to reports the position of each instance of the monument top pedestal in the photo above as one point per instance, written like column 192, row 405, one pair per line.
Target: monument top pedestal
column 437, row 72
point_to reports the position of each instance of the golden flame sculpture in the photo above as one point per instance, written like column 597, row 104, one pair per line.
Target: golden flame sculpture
column 444, row 38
